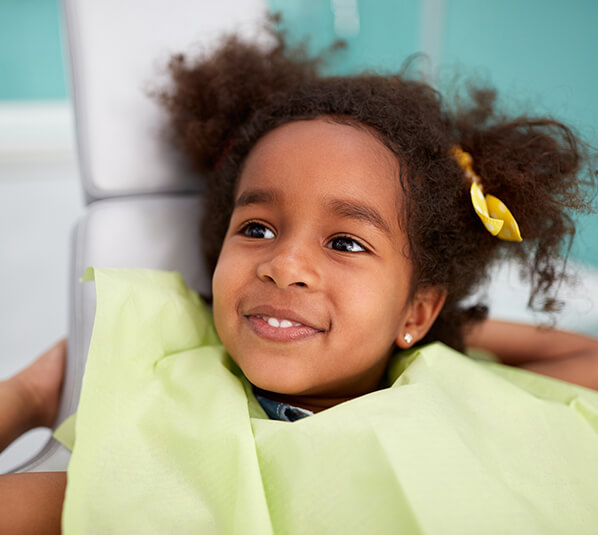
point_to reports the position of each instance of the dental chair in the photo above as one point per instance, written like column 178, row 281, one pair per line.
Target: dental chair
column 142, row 201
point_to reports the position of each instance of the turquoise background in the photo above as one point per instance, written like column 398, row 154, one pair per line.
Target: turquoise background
column 31, row 52
column 540, row 54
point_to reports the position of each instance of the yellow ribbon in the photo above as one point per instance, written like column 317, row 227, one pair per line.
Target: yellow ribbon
column 494, row 213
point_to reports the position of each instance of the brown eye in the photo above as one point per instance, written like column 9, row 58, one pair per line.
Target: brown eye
column 258, row 231
column 346, row 244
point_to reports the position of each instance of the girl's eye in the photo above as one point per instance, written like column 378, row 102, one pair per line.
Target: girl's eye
column 346, row 244
column 259, row 231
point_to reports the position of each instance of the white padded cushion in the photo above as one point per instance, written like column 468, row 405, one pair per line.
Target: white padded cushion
column 158, row 232
column 118, row 51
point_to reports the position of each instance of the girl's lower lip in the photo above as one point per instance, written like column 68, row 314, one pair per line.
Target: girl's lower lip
column 279, row 334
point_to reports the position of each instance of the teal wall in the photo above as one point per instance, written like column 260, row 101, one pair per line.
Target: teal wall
column 388, row 32
column 542, row 54
column 31, row 63
column 545, row 52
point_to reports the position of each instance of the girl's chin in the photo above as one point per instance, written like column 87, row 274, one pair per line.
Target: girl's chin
column 284, row 388
column 293, row 388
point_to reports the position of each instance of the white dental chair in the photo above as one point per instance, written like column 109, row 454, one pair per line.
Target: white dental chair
column 143, row 203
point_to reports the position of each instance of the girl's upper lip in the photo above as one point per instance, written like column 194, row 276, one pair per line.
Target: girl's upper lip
column 282, row 313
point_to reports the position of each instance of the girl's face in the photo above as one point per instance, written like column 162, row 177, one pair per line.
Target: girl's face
column 312, row 288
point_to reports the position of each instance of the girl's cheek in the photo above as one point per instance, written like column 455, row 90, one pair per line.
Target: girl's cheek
column 217, row 287
column 225, row 280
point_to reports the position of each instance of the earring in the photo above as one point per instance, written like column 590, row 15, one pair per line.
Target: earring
column 408, row 338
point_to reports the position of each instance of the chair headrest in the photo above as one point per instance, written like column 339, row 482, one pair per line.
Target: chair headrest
column 118, row 54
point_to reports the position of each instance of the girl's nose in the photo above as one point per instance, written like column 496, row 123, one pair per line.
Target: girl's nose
column 289, row 265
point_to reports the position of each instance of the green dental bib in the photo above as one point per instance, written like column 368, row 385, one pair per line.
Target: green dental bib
column 169, row 439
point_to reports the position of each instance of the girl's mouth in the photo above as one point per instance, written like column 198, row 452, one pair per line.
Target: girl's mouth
column 279, row 323
column 279, row 329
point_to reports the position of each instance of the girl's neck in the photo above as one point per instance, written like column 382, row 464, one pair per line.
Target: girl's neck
column 316, row 403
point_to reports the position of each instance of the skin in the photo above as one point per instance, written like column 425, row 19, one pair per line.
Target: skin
column 314, row 239
column 30, row 398
column 32, row 503
column 563, row 355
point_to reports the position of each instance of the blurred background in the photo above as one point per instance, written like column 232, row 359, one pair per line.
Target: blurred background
column 541, row 54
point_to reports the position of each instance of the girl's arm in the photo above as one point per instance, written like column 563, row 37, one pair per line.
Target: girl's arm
column 16, row 413
column 567, row 356
column 31, row 503
column 30, row 398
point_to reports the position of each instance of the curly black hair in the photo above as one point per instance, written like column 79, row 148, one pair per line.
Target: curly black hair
column 222, row 103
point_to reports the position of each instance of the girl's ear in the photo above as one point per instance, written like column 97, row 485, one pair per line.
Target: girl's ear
column 421, row 314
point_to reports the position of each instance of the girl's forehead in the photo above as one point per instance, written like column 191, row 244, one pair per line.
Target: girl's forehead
column 324, row 149
column 329, row 130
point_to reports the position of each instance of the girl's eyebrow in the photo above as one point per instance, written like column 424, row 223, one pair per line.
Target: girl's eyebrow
column 257, row 196
column 342, row 207
column 362, row 212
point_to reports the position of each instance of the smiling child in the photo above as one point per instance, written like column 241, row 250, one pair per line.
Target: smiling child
column 346, row 219
column 312, row 290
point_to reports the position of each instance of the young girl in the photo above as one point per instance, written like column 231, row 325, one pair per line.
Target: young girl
column 345, row 217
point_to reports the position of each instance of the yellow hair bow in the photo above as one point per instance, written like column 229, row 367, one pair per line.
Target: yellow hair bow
column 495, row 215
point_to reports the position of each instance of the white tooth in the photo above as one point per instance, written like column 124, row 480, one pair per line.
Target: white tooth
column 285, row 324
column 273, row 322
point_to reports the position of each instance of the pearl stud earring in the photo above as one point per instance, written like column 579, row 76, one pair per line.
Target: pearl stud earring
column 408, row 338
